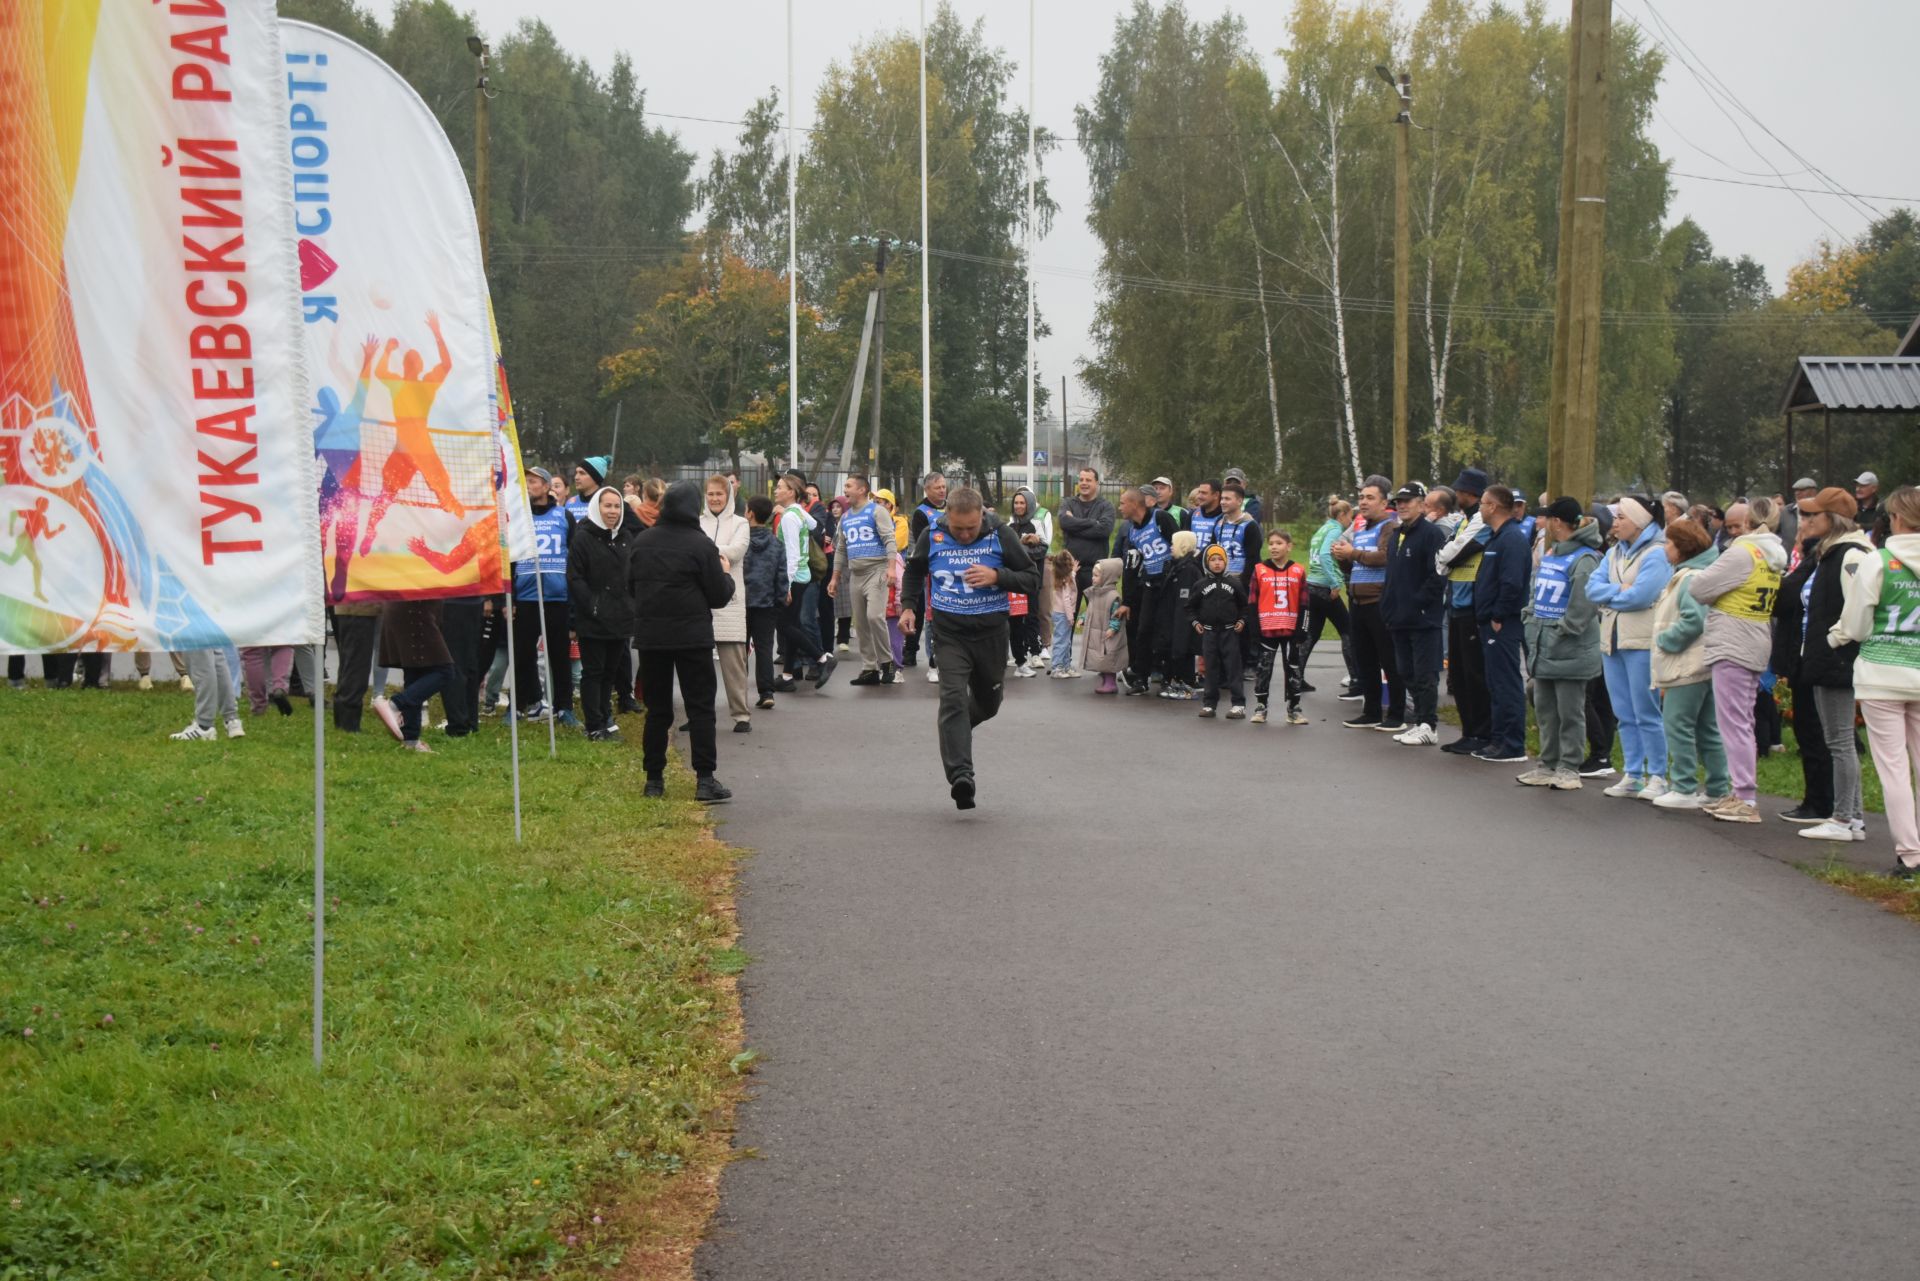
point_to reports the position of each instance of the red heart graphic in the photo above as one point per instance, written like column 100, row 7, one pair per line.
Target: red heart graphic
column 315, row 266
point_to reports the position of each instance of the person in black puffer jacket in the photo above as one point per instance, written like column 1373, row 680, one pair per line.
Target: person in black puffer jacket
column 767, row 592
column 677, row 583
column 602, row 599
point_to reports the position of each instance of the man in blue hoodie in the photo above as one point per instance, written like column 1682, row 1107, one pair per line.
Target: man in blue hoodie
column 1499, row 598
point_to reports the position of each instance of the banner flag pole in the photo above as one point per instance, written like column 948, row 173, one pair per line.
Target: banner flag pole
column 513, row 711
column 319, row 849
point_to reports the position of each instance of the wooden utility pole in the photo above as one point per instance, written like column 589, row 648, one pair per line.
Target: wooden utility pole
column 1402, row 270
column 478, row 48
column 1574, row 404
column 1066, row 451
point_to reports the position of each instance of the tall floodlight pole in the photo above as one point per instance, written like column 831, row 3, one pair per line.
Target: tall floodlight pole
column 926, row 251
column 1402, row 261
column 1030, row 171
column 793, row 278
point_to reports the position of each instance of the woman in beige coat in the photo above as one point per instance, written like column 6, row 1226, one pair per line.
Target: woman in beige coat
column 729, row 533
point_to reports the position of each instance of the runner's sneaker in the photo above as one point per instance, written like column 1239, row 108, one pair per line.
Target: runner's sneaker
column 827, row 663
column 1538, row 776
column 1492, row 756
column 146, row 682
column 186, row 684
column 1362, row 721
column 1296, row 717
column 1656, row 788
column 1236, row 713
column 1737, row 811
column 765, row 703
column 1801, row 814
column 1259, row 716
column 1135, row 689
column 1418, row 736
column 1464, row 746
column 1673, row 800
column 1392, row 727
column 1567, row 780
column 933, row 675
column 1206, row 713
column 1037, row 663
column 195, row 733
column 1596, row 769
column 235, row 729
column 1627, row 786
column 1354, row 696
column 1828, row 831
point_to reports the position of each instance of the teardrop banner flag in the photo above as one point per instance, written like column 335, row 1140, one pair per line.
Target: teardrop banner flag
column 153, row 439
column 405, row 417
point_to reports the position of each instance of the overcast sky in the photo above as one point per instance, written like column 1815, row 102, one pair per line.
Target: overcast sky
column 1828, row 78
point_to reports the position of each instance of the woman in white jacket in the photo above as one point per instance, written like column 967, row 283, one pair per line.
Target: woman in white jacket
column 1881, row 610
column 730, row 533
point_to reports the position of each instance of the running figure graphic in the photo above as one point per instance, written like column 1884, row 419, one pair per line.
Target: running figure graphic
column 337, row 442
column 413, row 390
column 24, row 525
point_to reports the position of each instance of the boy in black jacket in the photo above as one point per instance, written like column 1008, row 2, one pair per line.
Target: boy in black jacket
column 1217, row 611
column 1414, row 608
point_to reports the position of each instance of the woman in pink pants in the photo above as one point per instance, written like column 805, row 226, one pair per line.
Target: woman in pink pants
column 1881, row 609
column 265, row 668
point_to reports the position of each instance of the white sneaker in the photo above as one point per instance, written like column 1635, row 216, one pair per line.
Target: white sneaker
column 1827, row 831
column 1012, row 661
column 146, row 682
column 194, row 733
column 1037, row 663
column 844, row 648
column 1418, row 736
column 500, row 704
column 1655, row 788
column 1859, row 829
column 899, row 677
column 1672, row 800
column 186, row 684
column 235, row 729
column 1628, row 786
column 933, row 676
column 1538, row 776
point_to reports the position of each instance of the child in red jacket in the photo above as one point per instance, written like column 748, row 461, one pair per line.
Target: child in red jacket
column 1278, row 593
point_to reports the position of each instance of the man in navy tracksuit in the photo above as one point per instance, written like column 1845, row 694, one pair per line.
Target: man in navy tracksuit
column 1499, row 595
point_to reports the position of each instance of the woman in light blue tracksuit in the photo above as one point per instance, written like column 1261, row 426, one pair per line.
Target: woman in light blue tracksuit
column 1625, row 586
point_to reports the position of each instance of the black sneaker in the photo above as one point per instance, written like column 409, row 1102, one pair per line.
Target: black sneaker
column 655, row 787
column 1135, row 689
column 962, row 793
column 1395, row 726
column 910, row 661
column 868, row 677
column 743, row 727
column 886, row 673
column 628, row 707
column 765, row 703
column 1801, row 814
column 1494, row 756
column 825, row 673
column 1363, row 722
column 1306, row 687
column 708, row 790
column 1464, row 746
column 281, row 703
column 1354, row 696
column 1596, row 769
column 785, row 685
column 1902, row 872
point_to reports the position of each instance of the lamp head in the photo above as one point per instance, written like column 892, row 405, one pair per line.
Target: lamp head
column 476, row 46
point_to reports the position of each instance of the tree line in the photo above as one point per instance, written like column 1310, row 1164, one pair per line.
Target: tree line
column 1246, row 225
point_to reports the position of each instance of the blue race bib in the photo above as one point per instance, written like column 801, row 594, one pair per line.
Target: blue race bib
column 1551, row 587
column 1152, row 546
column 947, row 564
column 1203, row 527
column 1232, row 535
column 1368, row 540
column 861, row 535
column 549, row 562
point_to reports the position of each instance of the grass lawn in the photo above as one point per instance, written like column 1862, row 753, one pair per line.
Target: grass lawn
column 532, row 1049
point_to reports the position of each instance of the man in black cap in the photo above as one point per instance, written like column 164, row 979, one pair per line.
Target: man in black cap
column 1459, row 561
column 1413, row 606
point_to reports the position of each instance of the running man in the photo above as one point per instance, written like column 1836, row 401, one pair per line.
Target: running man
column 967, row 570
column 24, row 526
column 413, row 390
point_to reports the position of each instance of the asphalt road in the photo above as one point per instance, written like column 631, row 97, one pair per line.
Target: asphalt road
column 1191, row 999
